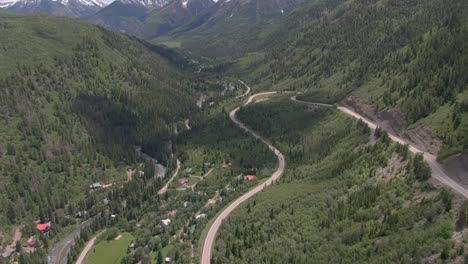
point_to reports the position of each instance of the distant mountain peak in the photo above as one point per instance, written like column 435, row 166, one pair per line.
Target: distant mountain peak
column 9, row 3
column 73, row 8
column 148, row 4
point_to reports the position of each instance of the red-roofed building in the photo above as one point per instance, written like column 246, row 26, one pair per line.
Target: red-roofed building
column 172, row 213
column 183, row 181
column 43, row 227
column 250, row 177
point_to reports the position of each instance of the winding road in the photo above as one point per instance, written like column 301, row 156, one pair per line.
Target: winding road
column 210, row 237
column 246, row 92
column 437, row 171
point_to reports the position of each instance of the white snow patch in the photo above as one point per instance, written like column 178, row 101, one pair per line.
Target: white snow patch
column 282, row 11
column 7, row 3
column 184, row 3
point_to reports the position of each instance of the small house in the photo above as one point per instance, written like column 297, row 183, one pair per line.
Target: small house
column 185, row 204
column 226, row 165
column 165, row 222
column 168, row 260
column 172, row 213
column 198, row 216
column 95, row 185
column 43, row 227
column 249, row 177
column 183, row 181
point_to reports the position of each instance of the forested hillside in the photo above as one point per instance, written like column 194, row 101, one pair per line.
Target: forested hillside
column 349, row 195
column 75, row 100
column 409, row 55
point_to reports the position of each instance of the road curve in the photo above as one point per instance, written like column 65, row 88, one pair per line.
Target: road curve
column 164, row 188
column 437, row 170
column 211, row 236
column 246, row 92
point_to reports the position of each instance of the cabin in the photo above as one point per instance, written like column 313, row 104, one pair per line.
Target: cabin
column 95, row 185
column 43, row 227
column 198, row 216
column 249, row 177
column 226, row 165
column 183, row 181
column 165, row 222
column 172, row 213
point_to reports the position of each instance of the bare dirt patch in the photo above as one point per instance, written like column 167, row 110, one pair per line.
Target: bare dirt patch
column 9, row 249
column 394, row 121
column 118, row 237
column 390, row 171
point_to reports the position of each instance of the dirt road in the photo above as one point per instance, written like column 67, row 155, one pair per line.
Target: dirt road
column 211, row 236
column 164, row 188
column 246, row 92
column 437, row 170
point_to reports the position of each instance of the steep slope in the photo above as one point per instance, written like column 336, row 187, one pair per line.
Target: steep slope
column 403, row 61
column 206, row 27
column 177, row 13
column 74, row 101
column 126, row 16
column 73, row 8
column 345, row 197
column 231, row 27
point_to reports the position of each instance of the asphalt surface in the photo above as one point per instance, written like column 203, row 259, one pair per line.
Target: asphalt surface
column 437, row 170
column 211, row 236
column 85, row 251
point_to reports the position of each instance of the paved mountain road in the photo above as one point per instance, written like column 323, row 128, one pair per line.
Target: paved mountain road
column 211, row 236
column 437, row 170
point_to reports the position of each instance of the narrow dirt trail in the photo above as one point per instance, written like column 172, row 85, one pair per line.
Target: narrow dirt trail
column 164, row 188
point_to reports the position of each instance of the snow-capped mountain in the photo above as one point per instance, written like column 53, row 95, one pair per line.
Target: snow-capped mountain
column 148, row 4
column 73, row 8
column 148, row 18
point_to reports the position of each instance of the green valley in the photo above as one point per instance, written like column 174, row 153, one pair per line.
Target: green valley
column 233, row 131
